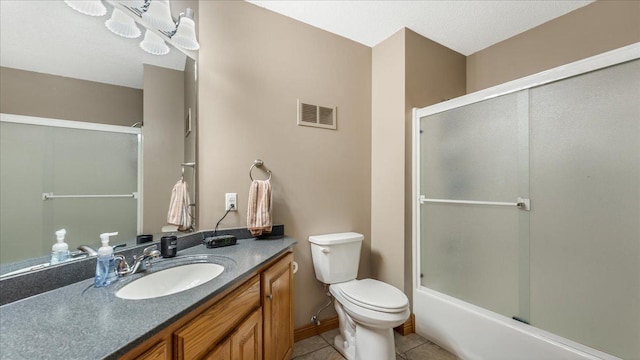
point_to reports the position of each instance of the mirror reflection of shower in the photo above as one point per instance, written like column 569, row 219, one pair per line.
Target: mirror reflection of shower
column 66, row 174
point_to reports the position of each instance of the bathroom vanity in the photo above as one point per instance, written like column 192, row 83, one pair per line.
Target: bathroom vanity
column 245, row 312
column 251, row 320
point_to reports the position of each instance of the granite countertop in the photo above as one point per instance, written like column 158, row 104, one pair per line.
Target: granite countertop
column 79, row 321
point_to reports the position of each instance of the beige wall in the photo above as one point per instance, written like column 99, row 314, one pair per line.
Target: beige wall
column 253, row 65
column 163, row 142
column 50, row 96
column 409, row 71
column 433, row 73
column 593, row 29
column 387, row 160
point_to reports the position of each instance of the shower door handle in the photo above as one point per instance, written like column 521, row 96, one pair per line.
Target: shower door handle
column 521, row 203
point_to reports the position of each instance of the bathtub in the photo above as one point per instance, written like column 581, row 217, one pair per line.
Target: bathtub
column 471, row 332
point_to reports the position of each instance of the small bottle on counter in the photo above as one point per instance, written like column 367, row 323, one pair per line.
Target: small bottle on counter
column 106, row 266
column 59, row 250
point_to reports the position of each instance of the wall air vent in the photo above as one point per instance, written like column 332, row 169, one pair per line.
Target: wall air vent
column 316, row 115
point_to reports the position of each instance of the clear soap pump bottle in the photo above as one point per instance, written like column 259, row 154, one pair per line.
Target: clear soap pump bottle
column 106, row 266
column 59, row 250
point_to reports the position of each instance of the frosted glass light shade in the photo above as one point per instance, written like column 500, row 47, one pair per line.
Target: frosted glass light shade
column 153, row 44
column 123, row 25
column 158, row 15
column 185, row 36
column 87, row 7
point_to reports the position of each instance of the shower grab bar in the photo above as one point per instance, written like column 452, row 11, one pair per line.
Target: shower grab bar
column 48, row 196
column 522, row 203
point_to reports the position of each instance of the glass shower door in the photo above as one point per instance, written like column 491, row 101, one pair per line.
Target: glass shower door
column 585, row 228
column 86, row 162
column 569, row 266
column 473, row 168
column 55, row 177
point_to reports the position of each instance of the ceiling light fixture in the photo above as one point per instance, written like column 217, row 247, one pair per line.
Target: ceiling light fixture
column 153, row 44
column 87, row 7
column 185, row 34
column 136, row 4
column 154, row 15
column 158, row 15
column 123, row 25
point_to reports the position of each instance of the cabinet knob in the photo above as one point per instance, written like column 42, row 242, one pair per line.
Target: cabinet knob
column 270, row 297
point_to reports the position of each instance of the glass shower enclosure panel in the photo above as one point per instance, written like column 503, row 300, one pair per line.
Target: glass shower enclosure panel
column 473, row 168
column 49, row 177
column 94, row 163
column 22, row 171
column 585, row 226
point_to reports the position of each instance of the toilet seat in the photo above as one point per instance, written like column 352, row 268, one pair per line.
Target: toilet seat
column 373, row 295
column 366, row 312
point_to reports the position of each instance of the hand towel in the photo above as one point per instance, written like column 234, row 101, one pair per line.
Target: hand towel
column 259, row 209
column 179, row 211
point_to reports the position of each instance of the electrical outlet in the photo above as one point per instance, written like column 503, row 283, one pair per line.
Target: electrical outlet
column 231, row 199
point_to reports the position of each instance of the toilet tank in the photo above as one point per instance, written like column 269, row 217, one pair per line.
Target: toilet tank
column 336, row 256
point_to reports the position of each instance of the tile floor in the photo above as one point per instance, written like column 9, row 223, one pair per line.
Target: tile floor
column 410, row 347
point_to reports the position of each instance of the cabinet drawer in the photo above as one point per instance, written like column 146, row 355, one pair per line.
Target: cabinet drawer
column 200, row 334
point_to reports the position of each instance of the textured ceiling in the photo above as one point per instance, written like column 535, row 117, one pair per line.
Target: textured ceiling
column 50, row 37
column 462, row 25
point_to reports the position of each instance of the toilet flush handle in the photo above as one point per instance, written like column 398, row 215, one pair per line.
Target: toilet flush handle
column 325, row 250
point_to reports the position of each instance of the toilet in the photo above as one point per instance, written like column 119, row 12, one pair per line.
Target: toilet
column 368, row 309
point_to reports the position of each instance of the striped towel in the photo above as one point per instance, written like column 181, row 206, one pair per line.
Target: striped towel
column 179, row 210
column 259, row 208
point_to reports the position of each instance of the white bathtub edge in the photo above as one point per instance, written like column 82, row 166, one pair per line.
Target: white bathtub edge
column 471, row 332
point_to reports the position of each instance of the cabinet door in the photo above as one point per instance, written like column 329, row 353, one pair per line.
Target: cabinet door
column 209, row 328
column 277, row 300
column 220, row 352
column 157, row 352
column 246, row 341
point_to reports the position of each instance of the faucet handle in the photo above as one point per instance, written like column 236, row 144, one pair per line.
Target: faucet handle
column 119, row 246
column 122, row 268
column 150, row 251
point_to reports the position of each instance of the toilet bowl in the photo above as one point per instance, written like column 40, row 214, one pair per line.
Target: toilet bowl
column 368, row 309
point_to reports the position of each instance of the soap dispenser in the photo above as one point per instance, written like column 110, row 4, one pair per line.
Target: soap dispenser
column 59, row 250
column 106, row 266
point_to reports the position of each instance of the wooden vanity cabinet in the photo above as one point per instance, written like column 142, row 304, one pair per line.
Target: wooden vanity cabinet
column 277, row 305
column 220, row 352
column 245, row 343
column 251, row 321
column 160, row 351
column 198, row 336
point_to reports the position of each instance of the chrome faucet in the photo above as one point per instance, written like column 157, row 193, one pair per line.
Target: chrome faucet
column 83, row 251
column 140, row 263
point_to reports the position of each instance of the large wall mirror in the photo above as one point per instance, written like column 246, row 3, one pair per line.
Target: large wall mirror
column 95, row 132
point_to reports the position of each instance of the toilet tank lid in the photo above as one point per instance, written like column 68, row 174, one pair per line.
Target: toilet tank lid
column 333, row 239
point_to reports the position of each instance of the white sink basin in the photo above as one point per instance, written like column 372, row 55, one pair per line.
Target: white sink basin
column 170, row 281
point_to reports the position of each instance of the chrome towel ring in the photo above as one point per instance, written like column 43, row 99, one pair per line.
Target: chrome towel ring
column 258, row 163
